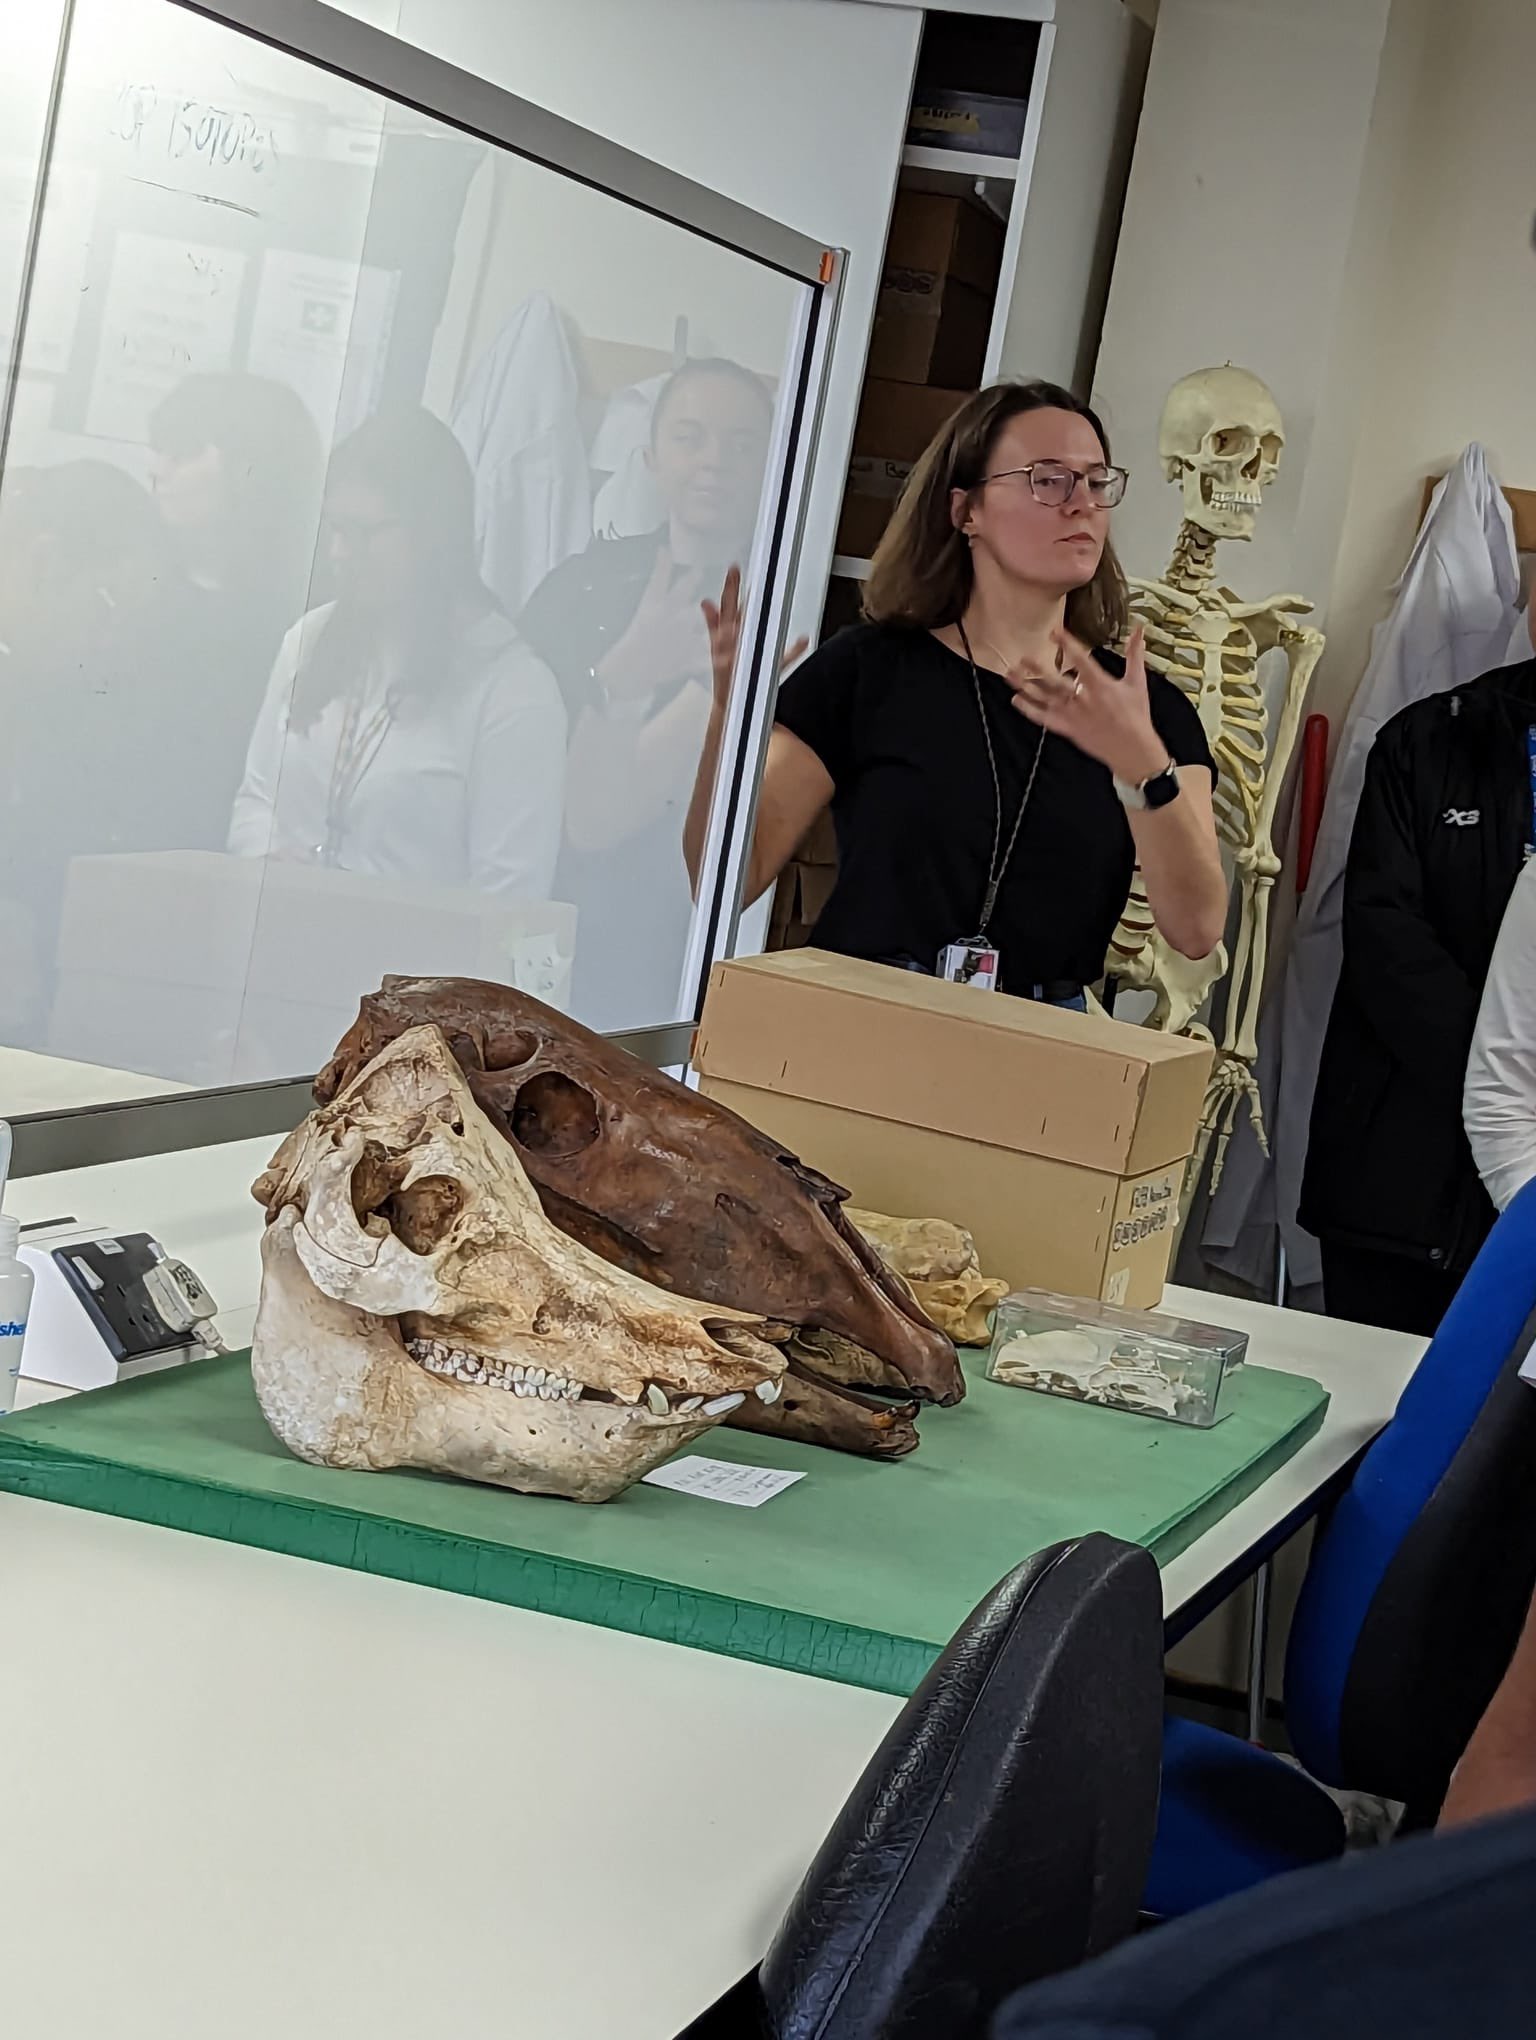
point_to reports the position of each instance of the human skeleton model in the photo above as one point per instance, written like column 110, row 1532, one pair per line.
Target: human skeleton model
column 1221, row 439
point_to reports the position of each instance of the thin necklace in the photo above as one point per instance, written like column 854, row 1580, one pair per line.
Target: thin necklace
column 997, row 652
column 997, row 867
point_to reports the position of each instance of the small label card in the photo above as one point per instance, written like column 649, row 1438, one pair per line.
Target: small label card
column 719, row 1480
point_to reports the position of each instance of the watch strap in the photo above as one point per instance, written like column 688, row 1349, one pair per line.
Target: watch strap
column 1152, row 793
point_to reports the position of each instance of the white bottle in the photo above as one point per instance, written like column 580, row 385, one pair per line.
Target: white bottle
column 15, row 1303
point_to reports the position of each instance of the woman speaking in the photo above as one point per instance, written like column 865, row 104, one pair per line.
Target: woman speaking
column 994, row 770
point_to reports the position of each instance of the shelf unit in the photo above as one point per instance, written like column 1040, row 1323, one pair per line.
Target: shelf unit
column 957, row 170
column 1001, row 184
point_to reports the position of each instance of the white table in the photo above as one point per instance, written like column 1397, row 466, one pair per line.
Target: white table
column 33, row 1082
column 251, row 1795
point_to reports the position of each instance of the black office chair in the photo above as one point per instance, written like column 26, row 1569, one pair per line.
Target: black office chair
column 1002, row 1830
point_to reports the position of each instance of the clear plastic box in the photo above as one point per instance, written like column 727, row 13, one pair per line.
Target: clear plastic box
column 1123, row 1359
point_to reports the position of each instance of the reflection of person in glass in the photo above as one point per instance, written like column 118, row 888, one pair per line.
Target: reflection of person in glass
column 407, row 731
column 93, row 761
column 621, row 627
column 237, row 467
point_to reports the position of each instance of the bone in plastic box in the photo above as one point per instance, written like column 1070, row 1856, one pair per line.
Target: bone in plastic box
column 1122, row 1359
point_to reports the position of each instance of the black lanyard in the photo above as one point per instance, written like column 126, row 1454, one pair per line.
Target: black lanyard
column 1000, row 859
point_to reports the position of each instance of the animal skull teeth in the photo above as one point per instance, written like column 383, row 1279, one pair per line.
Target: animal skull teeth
column 484, row 1370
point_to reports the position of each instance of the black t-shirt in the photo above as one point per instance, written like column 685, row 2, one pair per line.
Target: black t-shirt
column 892, row 715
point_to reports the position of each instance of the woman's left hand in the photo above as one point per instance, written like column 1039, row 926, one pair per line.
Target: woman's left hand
column 1109, row 719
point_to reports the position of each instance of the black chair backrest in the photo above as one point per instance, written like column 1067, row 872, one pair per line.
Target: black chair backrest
column 1003, row 1829
column 1442, row 1624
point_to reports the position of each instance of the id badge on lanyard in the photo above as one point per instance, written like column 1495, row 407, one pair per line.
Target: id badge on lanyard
column 970, row 963
column 1530, row 763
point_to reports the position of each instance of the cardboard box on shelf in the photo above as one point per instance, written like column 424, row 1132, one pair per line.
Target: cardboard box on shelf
column 1059, row 1140
column 929, row 329
column 936, row 291
column 895, row 423
column 973, row 123
column 804, row 886
column 945, row 236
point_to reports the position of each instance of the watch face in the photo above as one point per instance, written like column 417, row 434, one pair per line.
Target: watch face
column 1164, row 788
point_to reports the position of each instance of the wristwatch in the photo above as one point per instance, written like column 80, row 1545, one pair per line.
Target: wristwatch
column 1155, row 792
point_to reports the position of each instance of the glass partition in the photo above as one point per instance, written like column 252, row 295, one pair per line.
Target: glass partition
column 362, row 482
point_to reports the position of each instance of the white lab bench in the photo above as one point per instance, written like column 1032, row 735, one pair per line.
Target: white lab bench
column 249, row 1794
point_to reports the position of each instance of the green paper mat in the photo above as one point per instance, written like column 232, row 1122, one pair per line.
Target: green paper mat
column 860, row 1572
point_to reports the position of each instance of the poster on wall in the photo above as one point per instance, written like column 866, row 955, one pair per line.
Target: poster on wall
column 171, row 312
column 322, row 326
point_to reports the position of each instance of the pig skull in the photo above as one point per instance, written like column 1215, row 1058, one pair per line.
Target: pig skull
column 418, row 1309
column 672, row 1187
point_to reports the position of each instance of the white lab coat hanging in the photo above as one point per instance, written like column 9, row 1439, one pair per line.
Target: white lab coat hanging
column 1455, row 615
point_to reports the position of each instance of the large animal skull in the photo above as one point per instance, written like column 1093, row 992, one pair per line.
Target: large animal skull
column 1221, row 439
column 674, row 1188
column 418, row 1308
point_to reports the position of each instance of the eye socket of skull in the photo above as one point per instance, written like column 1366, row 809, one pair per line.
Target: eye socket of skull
column 422, row 1215
column 376, row 1177
column 511, row 1051
column 1231, row 443
column 553, row 1115
column 1271, row 446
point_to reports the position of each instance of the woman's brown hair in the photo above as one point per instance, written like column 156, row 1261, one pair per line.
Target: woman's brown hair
column 921, row 573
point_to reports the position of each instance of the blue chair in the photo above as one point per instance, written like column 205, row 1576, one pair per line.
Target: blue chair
column 1408, row 1616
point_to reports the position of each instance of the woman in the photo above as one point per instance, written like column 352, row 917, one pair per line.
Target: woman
column 407, row 731
column 619, row 626
column 993, row 769
column 237, row 469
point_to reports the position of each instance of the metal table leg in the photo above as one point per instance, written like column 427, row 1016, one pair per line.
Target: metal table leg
column 1258, row 1651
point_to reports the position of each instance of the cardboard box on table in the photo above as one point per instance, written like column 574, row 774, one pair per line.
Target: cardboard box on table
column 1058, row 1140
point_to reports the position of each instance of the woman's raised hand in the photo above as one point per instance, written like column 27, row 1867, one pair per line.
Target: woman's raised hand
column 1109, row 719
column 724, row 622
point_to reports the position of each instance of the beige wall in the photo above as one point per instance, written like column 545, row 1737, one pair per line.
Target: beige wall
column 1237, row 244
column 1453, row 332
column 1337, row 194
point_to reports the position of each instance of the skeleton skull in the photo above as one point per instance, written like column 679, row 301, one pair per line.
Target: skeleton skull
column 418, row 1309
column 1221, row 439
column 674, row 1188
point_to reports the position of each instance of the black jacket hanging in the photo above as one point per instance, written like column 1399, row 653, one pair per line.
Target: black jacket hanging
column 1439, row 837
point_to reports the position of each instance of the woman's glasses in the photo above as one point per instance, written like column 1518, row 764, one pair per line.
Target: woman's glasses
column 1053, row 484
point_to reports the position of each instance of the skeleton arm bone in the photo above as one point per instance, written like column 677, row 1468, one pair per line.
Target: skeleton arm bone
column 1303, row 648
